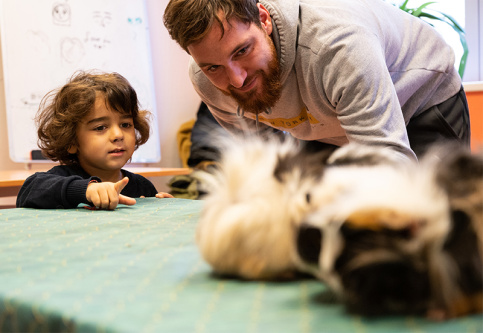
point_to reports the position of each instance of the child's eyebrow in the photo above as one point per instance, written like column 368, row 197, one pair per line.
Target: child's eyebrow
column 100, row 119
column 95, row 120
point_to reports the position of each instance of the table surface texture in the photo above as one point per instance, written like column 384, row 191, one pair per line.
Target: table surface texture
column 137, row 269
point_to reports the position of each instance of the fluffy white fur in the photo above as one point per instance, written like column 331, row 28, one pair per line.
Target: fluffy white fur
column 245, row 227
column 251, row 216
column 388, row 196
column 379, row 196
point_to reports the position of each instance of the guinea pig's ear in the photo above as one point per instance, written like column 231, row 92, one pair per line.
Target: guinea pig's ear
column 309, row 243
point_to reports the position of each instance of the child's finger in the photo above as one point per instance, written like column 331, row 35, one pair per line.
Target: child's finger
column 95, row 200
column 113, row 196
column 105, row 197
column 121, row 184
column 125, row 200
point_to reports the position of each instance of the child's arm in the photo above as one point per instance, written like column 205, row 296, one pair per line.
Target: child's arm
column 56, row 188
column 107, row 195
column 62, row 187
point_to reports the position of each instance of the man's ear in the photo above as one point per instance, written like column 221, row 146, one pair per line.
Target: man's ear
column 265, row 18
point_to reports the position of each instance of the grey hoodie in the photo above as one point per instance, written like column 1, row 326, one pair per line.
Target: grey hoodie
column 352, row 70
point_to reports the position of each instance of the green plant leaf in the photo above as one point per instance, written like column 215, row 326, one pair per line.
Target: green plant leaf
column 419, row 10
column 453, row 21
column 461, row 69
column 403, row 6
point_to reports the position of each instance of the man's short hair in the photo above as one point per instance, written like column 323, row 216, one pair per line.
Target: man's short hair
column 188, row 21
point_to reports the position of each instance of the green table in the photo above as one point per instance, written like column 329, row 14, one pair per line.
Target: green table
column 137, row 269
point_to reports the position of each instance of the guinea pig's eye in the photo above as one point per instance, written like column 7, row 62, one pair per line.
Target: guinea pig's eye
column 307, row 197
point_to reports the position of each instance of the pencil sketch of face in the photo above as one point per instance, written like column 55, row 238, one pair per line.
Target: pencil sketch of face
column 71, row 50
column 61, row 14
column 102, row 18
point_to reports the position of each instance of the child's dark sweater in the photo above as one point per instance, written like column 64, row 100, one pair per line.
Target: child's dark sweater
column 64, row 186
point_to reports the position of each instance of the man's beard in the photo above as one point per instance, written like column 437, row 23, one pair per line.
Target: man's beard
column 254, row 101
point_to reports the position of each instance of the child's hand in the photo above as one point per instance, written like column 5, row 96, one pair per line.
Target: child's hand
column 106, row 195
column 163, row 195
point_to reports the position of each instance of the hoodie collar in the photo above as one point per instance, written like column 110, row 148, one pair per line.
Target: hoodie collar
column 285, row 20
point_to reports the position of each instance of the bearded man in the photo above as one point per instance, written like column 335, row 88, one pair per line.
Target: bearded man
column 330, row 71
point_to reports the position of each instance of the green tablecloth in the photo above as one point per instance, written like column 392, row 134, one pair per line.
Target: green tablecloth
column 137, row 269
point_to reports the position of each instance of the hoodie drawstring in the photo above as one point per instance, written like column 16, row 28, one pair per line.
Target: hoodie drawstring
column 241, row 113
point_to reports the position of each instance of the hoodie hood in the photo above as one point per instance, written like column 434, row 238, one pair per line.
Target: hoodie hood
column 285, row 20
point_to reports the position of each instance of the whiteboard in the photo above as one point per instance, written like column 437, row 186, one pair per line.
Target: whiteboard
column 44, row 42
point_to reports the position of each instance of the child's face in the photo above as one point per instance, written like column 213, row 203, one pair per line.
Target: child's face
column 105, row 141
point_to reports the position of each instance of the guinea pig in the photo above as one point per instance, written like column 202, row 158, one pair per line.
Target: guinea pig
column 392, row 240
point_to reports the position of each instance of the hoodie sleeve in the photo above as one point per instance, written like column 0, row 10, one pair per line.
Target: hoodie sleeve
column 357, row 83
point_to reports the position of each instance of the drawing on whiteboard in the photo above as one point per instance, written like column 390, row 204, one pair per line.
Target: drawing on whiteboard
column 44, row 46
column 136, row 20
column 61, row 14
column 98, row 43
column 71, row 50
column 39, row 41
column 102, row 19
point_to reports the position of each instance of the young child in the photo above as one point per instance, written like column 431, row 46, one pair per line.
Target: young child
column 92, row 126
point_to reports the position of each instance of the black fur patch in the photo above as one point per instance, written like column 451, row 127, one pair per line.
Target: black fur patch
column 462, row 245
column 386, row 288
column 309, row 243
column 364, row 158
column 310, row 165
column 397, row 286
column 460, row 172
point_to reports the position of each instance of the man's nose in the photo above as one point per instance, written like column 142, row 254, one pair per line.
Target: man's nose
column 236, row 75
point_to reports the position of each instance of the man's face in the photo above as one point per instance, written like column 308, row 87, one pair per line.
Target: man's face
column 242, row 64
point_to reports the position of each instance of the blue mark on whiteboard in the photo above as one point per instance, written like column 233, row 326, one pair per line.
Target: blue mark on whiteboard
column 136, row 20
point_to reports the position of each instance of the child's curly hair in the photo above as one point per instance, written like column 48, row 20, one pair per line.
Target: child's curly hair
column 62, row 109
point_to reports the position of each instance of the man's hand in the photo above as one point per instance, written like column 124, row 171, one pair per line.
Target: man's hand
column 107, row 195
